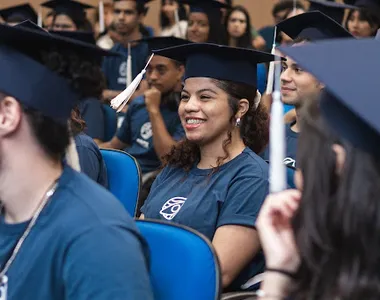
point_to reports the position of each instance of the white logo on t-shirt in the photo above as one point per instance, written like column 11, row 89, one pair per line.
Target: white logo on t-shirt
column 123, row 69
column 171, row 207
column 146, row 131
column 290, row 162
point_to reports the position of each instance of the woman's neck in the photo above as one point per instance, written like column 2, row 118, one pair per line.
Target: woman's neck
column 233, row 42
column 210, row 153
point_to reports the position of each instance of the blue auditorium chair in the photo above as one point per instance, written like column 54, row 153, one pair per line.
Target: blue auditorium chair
column 110, row 122
column 183, row 263
column 124, row 177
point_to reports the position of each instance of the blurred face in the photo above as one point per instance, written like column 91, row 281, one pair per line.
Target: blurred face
column 64, row 23
column 48, row 23
column 163, row 74
column 169, row 7
column 198, row 28
column 126, row 17
column 204, row 111
column 237, row 24
column 358, row 27
column 296, row 84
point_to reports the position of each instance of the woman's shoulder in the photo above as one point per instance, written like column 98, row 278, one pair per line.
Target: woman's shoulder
column 251, row 164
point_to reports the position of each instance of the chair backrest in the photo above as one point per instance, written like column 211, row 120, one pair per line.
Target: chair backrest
column 183, row 263
column 110, row 122
column 124, row 177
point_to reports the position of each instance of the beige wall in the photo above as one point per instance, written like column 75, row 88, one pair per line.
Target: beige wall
column 260, row 10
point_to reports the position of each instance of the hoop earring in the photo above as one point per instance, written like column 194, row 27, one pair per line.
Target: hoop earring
column 238, row 122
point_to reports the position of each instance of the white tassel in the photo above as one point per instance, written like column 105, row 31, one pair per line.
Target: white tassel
column 269, row 89
column 101, row 17
column 122, row 99
column 129, row 67
column 257, row 100
column 72, row 157
column 277, row 168
column 39, row 20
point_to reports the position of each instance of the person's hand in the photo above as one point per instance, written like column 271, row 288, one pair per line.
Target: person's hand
column 275, row 230
column 152, row 99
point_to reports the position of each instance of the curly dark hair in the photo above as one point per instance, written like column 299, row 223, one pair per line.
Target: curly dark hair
column 254, row 128
column 52, row 135
column 77, row 124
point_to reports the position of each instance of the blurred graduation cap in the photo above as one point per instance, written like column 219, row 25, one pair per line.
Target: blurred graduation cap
column 209, row 7
column 312, row 26
column 349, row 103
column 368, row 4
column 218, row 62
column 29, row 81
column 330, row 8
column 161, row 42
column 63, row 6
column 19, row 13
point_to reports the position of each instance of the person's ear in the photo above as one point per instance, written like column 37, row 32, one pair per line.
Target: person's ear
column 340, row 153
column 242, row 109
column 10, row 115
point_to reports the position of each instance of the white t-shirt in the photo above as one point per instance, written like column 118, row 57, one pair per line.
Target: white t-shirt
column 178, row 30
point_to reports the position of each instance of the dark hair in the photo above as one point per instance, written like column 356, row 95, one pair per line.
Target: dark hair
column 245, row 41
column 54, row 136
column 78, row 17
column 372, row 17
column 217, row 34
column 140, row 6
column 254, row 128
column 182, row 14
column 336, row 226
column 286, row 5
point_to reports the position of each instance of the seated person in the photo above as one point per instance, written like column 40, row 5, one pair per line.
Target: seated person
column 90, row 159
column 213, row 181
column 16, row 14
column 151, row 126
column 297, row 85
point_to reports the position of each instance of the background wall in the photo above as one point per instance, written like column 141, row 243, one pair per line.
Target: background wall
column 260, row 10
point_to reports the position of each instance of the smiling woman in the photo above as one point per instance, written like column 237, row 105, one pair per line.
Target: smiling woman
column 213, row 180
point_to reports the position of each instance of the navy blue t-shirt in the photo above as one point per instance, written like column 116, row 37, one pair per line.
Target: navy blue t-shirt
column 231, row 196
column 91, row 111
column 91, row 160
column 83, row 246
column 136, row 131
column 291, row 147
column 115, row 67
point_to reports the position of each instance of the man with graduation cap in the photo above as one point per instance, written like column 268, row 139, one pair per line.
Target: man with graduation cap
column 128, row 15
column 19, row 13
column 69, row 15
column 296, row 84
column 151, row 126
column 62, row 236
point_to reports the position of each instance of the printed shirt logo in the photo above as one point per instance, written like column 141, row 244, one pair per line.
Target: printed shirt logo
column 171, row 207
column 146, row 131
column 290, row 162
column 123, row 69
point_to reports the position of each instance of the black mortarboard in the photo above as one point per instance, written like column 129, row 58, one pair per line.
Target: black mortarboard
column 332, row 9
column 70, row 8
column 204, row 5
column 218, row 62
column 19, row 13
column 350, row 103
column 368, row 4
column 26, row 79
column 312, row 26
column 161, row 42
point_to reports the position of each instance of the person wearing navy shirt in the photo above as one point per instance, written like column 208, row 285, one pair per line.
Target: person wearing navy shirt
column 214, row 181
column 151, row 126
column 297, row 85
column 62, row 236
column 128, row 15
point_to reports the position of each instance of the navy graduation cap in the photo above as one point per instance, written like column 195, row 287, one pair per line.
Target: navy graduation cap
column 313, row 26
column 161, row 42
column 368, row 4
column 19, row 13
column 205, row 5
column 26, row 79
column 332, row 9
column 350, row 103
column 218, row 62
column 68, row 7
